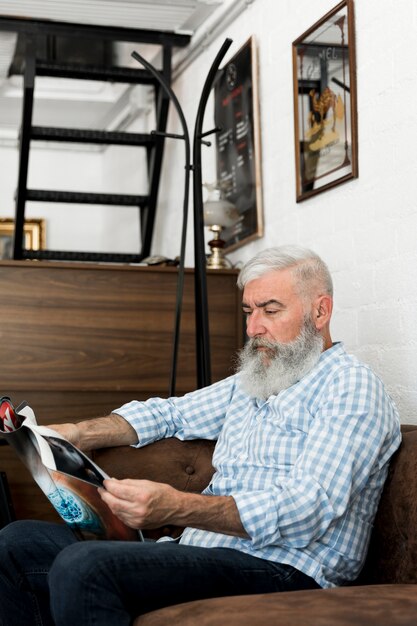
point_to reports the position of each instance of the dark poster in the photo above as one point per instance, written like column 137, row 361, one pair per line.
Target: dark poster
column 237, row 144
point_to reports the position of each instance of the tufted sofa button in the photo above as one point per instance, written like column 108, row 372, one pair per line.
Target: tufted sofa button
column 190, row 469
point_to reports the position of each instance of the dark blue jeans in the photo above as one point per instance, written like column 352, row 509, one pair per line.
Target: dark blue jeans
column 47, row 576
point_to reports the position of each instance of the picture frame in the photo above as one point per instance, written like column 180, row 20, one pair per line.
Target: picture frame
column 34, row 236
column 238, row 144
column 325, row 103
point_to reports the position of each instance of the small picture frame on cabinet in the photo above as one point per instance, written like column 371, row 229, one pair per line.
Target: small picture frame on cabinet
column 33, row 232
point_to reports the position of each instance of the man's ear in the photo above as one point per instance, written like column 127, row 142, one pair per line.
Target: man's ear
column 322, row 311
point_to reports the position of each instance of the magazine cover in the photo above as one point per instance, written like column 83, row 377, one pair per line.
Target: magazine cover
column 67, row 476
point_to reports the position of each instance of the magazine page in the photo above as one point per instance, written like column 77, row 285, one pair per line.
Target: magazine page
column 67, row 476
column 59, row 454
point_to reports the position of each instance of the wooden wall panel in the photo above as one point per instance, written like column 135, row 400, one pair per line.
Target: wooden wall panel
column 78, row 340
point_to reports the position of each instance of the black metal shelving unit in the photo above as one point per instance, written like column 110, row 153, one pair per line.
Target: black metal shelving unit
column 31, row 31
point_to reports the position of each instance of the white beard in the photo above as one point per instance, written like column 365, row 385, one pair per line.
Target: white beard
column 267, row 372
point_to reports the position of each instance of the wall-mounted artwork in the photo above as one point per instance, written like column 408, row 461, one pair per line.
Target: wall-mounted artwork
column 325, row 114
column 238, row 149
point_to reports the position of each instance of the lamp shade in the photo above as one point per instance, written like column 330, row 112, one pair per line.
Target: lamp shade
column 218, row 211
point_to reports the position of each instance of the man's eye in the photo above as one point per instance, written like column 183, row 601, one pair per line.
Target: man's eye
column 271, row 311
column 246, row 312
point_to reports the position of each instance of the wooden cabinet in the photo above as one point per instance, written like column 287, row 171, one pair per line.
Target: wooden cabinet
column 78, row 340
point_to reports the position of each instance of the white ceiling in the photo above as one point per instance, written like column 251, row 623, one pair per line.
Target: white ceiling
column 90, row 104
column 170, row 15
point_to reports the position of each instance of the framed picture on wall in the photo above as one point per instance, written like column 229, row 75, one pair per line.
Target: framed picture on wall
column 34, row 236
column 325, row 110
column 238, row 144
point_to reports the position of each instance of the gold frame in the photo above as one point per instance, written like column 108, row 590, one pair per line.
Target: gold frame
column 237, row 236
column 325, row 157
column 34, row 235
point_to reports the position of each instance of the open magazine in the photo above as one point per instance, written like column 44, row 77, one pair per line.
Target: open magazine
column 67, row 476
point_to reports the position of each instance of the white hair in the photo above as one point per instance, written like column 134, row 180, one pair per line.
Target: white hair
column 309, row 269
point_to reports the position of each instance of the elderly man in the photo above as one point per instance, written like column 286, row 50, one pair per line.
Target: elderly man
column 304, row 435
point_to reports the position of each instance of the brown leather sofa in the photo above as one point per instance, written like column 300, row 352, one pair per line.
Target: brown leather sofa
column 385, row 593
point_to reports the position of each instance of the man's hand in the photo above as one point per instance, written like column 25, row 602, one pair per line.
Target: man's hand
column 147, row 504
column 141, row 503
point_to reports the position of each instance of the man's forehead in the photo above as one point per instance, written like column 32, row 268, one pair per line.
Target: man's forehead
column 272, row 281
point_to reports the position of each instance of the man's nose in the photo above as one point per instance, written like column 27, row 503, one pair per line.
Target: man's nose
column 254, row 325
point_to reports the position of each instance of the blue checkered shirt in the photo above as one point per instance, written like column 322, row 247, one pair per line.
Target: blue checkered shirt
column 305, row 467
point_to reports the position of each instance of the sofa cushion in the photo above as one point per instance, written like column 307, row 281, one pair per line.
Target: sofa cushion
column 186, row 465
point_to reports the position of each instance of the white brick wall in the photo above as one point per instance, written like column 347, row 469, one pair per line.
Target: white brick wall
column 366, row 229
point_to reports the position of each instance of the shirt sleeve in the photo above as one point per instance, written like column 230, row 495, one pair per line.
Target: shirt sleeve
column 353, row 434
column 196, row 415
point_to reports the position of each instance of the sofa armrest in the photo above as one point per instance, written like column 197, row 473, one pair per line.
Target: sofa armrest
column 392, row 553
column 379, row 605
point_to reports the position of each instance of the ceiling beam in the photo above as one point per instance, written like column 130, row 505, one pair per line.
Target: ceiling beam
column 112, row 33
